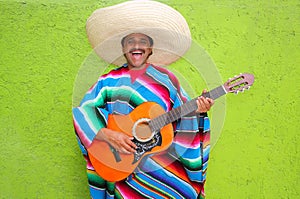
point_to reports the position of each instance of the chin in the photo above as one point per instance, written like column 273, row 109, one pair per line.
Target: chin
column 137, row 65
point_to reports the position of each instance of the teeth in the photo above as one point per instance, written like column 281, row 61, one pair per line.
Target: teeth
column 136, row 52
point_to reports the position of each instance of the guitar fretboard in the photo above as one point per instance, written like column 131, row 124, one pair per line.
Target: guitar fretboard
column 157, row 123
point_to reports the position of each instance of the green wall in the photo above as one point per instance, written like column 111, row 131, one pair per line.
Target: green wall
column 43, row 45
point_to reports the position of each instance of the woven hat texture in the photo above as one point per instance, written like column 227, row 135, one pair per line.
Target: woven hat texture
column 167, row 27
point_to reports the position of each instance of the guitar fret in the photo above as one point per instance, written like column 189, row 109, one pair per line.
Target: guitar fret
column 217, row 92
column 157, row 123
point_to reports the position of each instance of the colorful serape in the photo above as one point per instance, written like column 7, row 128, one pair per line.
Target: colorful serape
column 180, row 171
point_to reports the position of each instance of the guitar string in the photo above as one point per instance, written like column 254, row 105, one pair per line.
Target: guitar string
column 157, row 123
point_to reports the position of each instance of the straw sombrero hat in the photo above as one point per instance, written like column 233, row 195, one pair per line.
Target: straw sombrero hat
column 167, row 27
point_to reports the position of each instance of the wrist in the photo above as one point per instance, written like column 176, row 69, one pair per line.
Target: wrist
column 100, row 135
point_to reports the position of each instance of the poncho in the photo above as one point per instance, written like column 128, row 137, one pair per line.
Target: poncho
column 179, row 171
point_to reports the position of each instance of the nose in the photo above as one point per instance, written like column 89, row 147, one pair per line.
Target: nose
column 136, row 45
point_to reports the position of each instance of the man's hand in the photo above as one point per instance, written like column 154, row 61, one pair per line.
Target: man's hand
column 119, row 141
column 204, row 104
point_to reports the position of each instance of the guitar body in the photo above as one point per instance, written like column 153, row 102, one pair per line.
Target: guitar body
column 103, row 157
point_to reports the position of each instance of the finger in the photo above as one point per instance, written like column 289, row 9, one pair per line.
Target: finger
column 211, row 101
column 131, row 144
column 127, row 146
column 200, row 104
column 123, row 150
column 129, row 149
column 204, row 104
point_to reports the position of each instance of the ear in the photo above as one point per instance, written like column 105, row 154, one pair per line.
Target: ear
column 151, row 51
column 123, row 50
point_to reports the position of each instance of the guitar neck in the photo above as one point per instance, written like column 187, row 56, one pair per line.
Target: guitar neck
column 157, row 123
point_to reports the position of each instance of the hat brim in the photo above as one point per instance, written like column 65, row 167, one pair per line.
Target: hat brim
column 167, row 27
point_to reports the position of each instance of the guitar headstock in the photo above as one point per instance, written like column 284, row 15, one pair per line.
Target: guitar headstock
column 239, row 83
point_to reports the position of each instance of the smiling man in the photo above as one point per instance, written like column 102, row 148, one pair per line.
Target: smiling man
column 137, row 48
column 145, row 33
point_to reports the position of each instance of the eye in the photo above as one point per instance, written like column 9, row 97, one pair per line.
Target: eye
column 130, row 41
column 143, row 42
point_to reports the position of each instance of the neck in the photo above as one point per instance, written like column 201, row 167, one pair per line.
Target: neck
column 142, row 66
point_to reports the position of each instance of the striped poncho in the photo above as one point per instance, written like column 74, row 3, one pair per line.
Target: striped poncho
column 178, row 172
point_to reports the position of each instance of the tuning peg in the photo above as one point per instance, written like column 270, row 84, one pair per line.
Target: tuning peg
column 236, row 92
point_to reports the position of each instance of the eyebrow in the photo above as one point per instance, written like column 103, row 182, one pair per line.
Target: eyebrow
column 126, row 38
column 129, row 38
column 144, row 39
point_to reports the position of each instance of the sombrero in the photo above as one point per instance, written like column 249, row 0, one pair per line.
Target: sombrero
column 167, row 27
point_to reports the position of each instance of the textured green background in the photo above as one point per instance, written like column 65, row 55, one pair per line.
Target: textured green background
column 43, row 45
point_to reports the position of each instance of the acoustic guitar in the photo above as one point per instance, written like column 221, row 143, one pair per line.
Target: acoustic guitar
column 152, row 130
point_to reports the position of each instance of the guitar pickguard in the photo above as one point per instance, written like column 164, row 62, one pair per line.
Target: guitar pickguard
column 143, row 147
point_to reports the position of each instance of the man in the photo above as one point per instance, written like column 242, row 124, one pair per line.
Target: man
column 177, row 172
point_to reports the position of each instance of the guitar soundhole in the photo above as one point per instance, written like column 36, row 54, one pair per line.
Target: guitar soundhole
column 141, row 130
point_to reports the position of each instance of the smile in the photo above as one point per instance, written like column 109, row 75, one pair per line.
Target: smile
column 137, row 53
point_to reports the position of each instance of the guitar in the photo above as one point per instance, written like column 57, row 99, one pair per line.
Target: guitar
column 152, row 130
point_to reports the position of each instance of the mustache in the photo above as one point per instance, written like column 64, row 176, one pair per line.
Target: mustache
column 139, row 49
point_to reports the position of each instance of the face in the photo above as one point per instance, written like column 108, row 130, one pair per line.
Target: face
column 137, row 49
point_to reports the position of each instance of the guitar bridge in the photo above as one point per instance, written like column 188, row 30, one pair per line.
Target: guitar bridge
column 116, row 154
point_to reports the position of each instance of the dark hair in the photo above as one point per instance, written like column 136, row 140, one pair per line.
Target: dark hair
column 150, row 40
